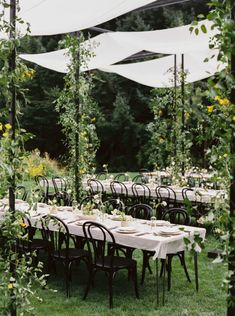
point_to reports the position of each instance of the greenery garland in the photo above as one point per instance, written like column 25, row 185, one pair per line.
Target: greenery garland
column 78, row 112
column 18, row 274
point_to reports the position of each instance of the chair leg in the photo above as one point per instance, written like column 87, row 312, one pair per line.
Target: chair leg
column 89, row 283
column 196, row 271
column 183, row 263
column 169, row 259
column 67, row 272
column 110, row 281
column 134, row 277
column 144, row 264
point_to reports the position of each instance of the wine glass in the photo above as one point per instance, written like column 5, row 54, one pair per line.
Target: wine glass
column 74, row 206
column 153, row 222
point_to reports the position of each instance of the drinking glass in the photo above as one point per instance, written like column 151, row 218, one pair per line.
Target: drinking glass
column 153, row 221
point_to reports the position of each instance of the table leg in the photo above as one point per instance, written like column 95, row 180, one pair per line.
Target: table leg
column 164, row 279
column 157, row 282
column 196, row 271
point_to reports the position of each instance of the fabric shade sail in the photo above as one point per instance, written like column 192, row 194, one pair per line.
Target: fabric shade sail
column 177, row 40
column 159, row 73
column 104, row 51
column 49, row 17
column 112, row 47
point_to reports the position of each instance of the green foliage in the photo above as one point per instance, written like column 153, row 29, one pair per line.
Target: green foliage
column 19, row 273
column 78, row 113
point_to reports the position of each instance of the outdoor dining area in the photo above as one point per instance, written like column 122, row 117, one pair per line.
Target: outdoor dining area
column 117, row 166
column 112, row 222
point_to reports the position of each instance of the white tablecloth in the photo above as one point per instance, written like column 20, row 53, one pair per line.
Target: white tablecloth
column 197, row 195
column 161, row 245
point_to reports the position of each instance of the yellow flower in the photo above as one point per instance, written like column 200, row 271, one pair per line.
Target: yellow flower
column 93, row 120
column 224, row 102
column 8, row 126
column 161, row 140
column 217, row 98
column 35, row 170
column 0, row 126
column 29, row 73
column 210, row 108
column 233, row 118
column 5, row 134
column 10, row 286
column 23, row 225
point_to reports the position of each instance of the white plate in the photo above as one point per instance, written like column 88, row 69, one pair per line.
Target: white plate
column 88, row 217
column 126, row 230
column 170, row 231
column 162, row 223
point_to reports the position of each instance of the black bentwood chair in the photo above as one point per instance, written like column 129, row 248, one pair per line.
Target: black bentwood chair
column 61, row 194
column 29, row 244
column 57, row 233
column 175, row 216
column 103, row 259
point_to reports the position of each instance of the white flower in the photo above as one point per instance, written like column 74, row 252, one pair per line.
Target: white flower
column 197, row 248
column 118, row 201
column 201, row 220
column 164, row 203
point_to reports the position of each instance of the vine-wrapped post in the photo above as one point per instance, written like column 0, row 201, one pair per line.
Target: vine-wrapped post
column 12, row 114
column 182, row 113
column 231, row 267
column 77, row 177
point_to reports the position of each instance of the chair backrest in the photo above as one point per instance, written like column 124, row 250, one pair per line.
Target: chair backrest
column 165, row 193
column 141, row 191
column 139, row 179
column 55, row 231
column 118, row 189
column 185, row 192
column 194, row 179
column 43, row 184
column 101, row 176
column 95, row 186
column 27, row 233
column 121, row 177
column 177, row 216
column 96, row 236
column 21, row 192
column 112, row 204
column 86, row 200
column 142, row 211
column 59, row 184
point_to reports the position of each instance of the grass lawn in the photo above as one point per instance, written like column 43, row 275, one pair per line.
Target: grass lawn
column 181, row 300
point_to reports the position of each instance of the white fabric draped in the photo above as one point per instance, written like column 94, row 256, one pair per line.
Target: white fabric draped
column 177, row 40
column 159, row 73
column 104, row 49
column 48, row 17
column 110, row 48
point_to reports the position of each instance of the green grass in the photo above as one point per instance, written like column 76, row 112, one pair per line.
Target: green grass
column 181, row 300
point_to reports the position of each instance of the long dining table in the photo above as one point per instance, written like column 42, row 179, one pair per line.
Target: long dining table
column 199, row 195
column 159, row 237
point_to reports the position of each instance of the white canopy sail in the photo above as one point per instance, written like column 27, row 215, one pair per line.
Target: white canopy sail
column 159, row 73
column 48, row 17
